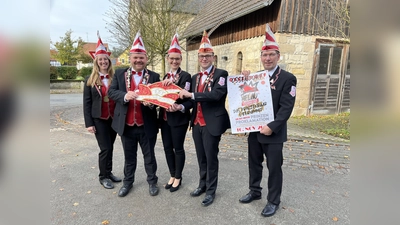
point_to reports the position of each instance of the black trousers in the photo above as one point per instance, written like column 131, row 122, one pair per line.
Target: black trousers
column 274, row 156
column 134, row 135
column 105, row 137
column 207, row 156
column 173, row 138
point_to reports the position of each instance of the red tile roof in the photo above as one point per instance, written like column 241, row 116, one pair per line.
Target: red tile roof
column 90, row 46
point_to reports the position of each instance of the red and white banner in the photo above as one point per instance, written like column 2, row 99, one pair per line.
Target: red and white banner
column 158, row 94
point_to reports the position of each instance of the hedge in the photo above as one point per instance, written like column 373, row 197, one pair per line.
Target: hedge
column 85, row 71
column 67, row 72
column 53, row 72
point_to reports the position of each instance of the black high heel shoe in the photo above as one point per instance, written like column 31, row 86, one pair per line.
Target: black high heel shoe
column 168, row 186
column 172, row 189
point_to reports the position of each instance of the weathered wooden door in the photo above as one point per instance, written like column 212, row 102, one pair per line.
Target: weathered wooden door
column 330, row 90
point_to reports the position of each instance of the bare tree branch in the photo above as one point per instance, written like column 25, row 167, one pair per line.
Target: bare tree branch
column 335, row 22
column 157, row 21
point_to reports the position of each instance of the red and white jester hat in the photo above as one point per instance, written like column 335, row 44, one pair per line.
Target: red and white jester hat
column 205, row 45
column 138, row 46
column 270, row 41
column 175, row 47
column 100, row 48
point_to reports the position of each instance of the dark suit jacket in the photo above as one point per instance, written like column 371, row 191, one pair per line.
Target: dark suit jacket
column 178, row 118
column 117, row 92
column 92, row 101
column 283, row 103
column 212, row 103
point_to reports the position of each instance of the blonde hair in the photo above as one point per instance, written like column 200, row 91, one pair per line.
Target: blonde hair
column 94, row 78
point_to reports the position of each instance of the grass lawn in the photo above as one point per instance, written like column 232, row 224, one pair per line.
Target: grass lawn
column 335, row 125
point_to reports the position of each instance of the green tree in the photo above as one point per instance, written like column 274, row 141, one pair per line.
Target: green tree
column 157, row 21
column 81, row 55
column 69, row 50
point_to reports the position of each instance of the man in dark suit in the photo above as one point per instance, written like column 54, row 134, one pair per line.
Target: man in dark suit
column 209, row 118
column 269, row 141
column 135, row 121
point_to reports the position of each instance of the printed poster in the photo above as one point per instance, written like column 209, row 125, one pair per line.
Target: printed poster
column 250, row 102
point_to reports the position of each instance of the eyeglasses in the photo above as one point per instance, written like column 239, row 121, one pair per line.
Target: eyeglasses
column 270, row 55
column 176, row 59
column 205, row 56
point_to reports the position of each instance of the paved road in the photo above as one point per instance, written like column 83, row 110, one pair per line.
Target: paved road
column 316, row 181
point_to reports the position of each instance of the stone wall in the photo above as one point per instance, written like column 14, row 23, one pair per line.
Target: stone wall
column 297, row 55
column 76, row 85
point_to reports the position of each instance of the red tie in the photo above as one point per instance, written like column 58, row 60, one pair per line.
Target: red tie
column 138, row 73
column 170, row 75
column 106, row 76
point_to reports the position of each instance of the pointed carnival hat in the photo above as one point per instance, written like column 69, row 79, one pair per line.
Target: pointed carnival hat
column 175, row 47
column 205, row 45
column 138, row 46
column 270, row 41
column 100, row 48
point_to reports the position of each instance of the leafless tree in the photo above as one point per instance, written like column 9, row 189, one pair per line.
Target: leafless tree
column 157, row 21
column 333, row 20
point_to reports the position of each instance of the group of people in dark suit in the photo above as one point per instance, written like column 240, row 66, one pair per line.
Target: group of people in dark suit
column 201, row 105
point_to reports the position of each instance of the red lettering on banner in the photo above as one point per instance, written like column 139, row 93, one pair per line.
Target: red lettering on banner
column 250, row 128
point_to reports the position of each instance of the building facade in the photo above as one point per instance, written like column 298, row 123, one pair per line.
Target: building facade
column 316, row 54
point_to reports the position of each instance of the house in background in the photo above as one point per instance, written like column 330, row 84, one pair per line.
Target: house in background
column 123, row 59
column 91, row 46
column 53, row 61
column 237, row 31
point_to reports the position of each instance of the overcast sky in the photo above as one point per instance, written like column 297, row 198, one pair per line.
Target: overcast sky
column 84, row 18
column 24, row 19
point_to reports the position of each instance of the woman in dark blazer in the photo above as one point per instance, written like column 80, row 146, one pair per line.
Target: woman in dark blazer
column 174, row 121
column 98, row 112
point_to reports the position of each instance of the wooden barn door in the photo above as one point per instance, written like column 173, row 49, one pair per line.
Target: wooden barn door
column 330, row 90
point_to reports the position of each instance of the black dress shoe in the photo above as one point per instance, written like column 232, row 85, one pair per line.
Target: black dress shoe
column 153, row 189
column 124, row 190
column 172, row 189
column 269, row 209
column 114, row 178
column 249, row 197
column 208, row 200
column 107, row 183
column 197, row 192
